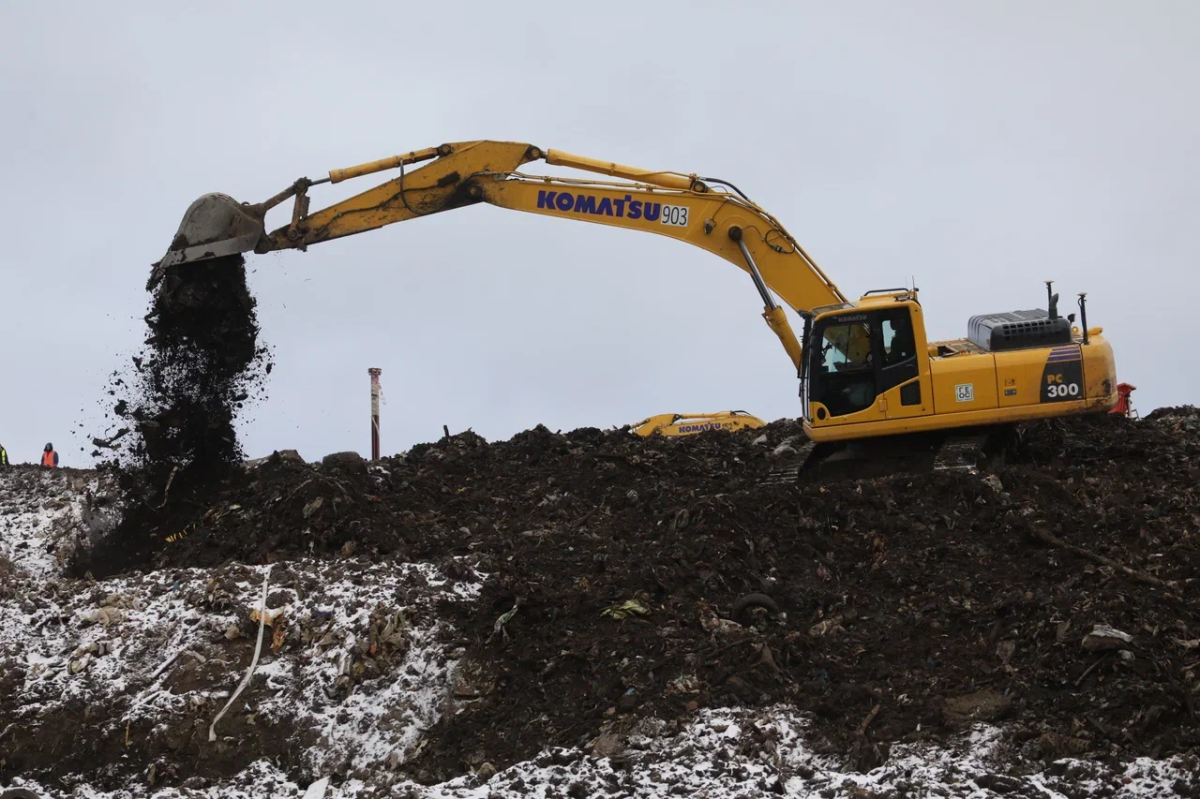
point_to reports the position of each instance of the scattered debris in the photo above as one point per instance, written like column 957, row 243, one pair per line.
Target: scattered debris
column 832, row 623
column 501, row 627
column 986, row 705
column 736, row 752
column 1103, row 637
column 630, row 607
column 262, row 620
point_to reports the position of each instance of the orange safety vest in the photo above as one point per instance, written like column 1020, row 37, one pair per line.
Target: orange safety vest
column 48, row 458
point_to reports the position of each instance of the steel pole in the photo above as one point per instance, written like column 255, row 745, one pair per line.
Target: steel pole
column 374, row 373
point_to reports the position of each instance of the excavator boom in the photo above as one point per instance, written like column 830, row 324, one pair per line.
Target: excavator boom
column 704, row 212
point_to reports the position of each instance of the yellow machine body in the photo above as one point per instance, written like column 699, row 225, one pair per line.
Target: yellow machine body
column 689, row 424
column 869, row 370
column 957, row 384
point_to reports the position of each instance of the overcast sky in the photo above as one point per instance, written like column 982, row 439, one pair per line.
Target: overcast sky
column 978, row 148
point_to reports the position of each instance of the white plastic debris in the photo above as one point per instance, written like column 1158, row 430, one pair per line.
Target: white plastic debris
column 1102, row 637
column 262, row 617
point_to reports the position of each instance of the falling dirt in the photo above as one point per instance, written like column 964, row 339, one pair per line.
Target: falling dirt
column 199, row 366
column 175, row 410
column 911, row 606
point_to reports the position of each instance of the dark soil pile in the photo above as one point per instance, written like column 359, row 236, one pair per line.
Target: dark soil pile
column 912, row 605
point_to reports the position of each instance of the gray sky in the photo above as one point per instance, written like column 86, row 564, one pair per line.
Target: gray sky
column 981, row 149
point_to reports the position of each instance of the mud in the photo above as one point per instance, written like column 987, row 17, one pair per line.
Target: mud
column 912, row 606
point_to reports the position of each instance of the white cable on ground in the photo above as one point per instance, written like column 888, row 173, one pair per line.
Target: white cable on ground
column 317, row 789
column 262, row 620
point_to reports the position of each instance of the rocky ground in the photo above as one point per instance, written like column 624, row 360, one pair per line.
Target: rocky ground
column 555, row 615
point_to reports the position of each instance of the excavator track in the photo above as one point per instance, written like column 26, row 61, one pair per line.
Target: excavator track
column 967, row 450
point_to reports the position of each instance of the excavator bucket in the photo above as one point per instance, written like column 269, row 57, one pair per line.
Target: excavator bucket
column 213, row 226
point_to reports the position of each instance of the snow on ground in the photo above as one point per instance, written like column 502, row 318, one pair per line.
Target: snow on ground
column 729, row 754
column 353, row 666
column 44, row 515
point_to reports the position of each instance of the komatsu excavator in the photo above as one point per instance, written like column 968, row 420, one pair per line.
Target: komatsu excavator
column 689, row 424
column 871, row 381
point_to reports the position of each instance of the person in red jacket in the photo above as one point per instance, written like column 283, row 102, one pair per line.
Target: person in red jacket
column 49, row 457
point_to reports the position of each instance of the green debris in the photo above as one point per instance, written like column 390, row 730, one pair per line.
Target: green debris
column 623, row 611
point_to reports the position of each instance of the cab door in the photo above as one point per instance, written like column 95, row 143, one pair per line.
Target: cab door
column 842, row 378
column 902, row 383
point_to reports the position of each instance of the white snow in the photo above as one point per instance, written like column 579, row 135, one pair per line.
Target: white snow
column 41, row 516
column 155, row 648
column 727, row 754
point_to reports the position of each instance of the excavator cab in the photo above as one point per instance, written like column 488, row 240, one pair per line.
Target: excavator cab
column 868, row 370
column 858, row 357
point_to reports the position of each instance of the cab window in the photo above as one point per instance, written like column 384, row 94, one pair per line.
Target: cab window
column 845, row 376
column 898, row 342
column 846, row 348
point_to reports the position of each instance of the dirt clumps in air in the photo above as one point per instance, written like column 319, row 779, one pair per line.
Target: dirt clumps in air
column 202, row 348
column 176, row 409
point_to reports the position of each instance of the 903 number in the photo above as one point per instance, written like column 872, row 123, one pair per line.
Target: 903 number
column 676, row 215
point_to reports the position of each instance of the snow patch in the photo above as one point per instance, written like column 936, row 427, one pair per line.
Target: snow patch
column 725, row 754
column 353, row 669
column 45, row 514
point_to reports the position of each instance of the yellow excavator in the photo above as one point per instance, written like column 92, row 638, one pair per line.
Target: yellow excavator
column 871, row 381
column 689, row 424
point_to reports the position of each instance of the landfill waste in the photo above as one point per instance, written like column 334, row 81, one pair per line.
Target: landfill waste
column 47, row 515
column 566, row 602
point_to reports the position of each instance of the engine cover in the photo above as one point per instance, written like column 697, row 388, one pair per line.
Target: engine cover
column 1018, row 330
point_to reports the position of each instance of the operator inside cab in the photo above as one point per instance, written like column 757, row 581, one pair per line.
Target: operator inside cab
column 846, row 368
column 848, row 378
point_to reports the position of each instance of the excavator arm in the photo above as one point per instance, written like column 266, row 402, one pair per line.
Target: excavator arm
column 705, row 212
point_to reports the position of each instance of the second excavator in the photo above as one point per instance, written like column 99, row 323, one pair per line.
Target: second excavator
column 690, row 424
column 872, row 384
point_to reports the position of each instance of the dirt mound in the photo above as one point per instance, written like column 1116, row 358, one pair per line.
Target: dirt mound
column 1056, row 594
